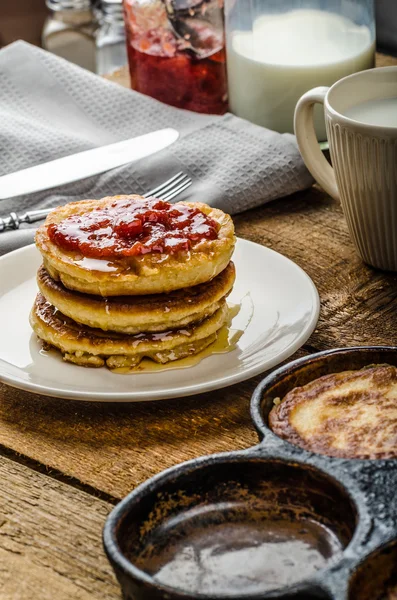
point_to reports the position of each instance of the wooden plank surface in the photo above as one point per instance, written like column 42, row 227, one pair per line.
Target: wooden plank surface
column 358, row 303
column 113, row 448
column 50, row 539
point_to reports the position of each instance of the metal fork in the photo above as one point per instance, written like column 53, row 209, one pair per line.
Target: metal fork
column 165, row 191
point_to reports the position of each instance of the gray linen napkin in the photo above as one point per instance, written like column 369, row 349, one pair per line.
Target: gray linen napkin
column 50, row 108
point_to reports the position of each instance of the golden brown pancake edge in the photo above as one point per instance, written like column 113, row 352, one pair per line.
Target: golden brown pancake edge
column 140, row 275
column 92, row 347
column 135, row 314
column 357, row 405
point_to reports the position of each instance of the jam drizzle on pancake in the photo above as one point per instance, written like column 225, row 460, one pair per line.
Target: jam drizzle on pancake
column 133, row 227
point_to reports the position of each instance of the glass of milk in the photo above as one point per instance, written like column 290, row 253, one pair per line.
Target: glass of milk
column 279, row 49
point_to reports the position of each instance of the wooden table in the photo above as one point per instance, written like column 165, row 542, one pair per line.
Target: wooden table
column 64, row 464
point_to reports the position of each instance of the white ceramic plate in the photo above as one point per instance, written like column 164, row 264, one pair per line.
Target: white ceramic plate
column 279, row 310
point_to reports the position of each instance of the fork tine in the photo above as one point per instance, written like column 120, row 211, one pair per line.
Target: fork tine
column 168, row 189
column 177, row 190
column 163, row 185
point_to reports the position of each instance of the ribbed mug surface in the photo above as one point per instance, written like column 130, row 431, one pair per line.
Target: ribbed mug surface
column 366, row 174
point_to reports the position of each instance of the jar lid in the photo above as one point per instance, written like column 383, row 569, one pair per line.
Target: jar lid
column 69, row 4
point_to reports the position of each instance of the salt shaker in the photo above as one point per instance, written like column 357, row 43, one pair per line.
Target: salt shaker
column 69, row 32
column 111, row 52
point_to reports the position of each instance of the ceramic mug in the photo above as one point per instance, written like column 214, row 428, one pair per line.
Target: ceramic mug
column 364, row 159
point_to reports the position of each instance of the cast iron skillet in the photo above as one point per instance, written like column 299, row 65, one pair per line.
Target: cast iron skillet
column 273, row 521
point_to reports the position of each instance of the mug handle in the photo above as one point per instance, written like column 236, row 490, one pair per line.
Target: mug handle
column 309, row 147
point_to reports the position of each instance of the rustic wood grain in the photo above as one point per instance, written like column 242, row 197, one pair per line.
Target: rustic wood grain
column 50, row 539
column 114, row 447
column 358, row 303
column 383, row 60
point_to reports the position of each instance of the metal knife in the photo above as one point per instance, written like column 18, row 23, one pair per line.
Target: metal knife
column 84, row 164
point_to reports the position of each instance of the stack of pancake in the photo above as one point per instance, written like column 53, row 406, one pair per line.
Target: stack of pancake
column 124, row 278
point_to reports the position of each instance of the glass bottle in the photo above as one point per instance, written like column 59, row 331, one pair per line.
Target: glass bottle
column 277, row 51
column 110, row 39
column 69, row 32
column 176, row 52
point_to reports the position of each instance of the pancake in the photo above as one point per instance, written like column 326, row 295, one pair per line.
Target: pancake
column 352, row 414
column 135, row 314
column 149, row 273
column 94, row 348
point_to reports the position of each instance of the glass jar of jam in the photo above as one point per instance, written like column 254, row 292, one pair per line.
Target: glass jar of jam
column 176, row 52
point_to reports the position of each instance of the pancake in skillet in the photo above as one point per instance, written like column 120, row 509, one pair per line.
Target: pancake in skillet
column 136, row 314
column 352, row 414
column 129, row 245
column 90, row 347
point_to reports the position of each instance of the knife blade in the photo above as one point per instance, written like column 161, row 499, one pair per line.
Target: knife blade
column 84, row 164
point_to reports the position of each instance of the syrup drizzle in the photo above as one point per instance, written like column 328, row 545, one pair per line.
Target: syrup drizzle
column 226, row 341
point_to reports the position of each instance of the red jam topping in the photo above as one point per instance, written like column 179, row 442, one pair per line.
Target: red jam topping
column 132, row 228
column 181, row 81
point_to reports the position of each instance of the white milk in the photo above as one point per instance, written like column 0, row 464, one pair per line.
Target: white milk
column 284, row 56
column 376, row 112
